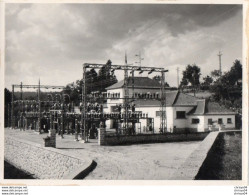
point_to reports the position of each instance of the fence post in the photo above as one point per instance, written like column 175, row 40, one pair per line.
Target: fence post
column 101, row 136
column 50, row 141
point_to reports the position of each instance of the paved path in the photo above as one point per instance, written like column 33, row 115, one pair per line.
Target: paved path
column 144, row 161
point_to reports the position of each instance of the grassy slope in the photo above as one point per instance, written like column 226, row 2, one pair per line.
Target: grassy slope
column 224, row 160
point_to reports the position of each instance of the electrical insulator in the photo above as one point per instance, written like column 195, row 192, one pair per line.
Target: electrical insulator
column 119, row 108
column 97, row 108
column 133, row 108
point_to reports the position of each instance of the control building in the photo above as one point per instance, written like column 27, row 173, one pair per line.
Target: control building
column 184, row 113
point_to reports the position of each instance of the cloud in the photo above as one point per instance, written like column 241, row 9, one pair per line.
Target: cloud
column 51, row 40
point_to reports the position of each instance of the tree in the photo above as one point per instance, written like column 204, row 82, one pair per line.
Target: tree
column 158, row 79
column 91, row 77
column 215, row 74
column 207, row 80
column 7, row 103
column 95, row 82
column 105, row 78
column 104, row 71
column 191, row 75
column 7, row 96
column 235, row 73
column 226, row 89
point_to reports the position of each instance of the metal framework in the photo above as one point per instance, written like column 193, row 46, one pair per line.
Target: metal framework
column 125, row 68
column 85, row 117
column 163, row 118
column 39, row 86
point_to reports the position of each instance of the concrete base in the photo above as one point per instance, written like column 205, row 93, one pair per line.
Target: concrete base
column 84, row 142
column 37, row 132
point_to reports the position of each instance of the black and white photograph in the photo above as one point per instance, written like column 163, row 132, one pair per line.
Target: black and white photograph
column 123, row 91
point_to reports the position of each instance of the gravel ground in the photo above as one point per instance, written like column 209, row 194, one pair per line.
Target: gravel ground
column 133, row 162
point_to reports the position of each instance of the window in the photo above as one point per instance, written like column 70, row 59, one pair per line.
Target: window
column 210, row 121
column 220, row 121
column 180, row 114
column 195, row 121
column 229, row 121
column 158, row 113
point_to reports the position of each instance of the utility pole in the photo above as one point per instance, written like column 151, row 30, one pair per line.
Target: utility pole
column 39, row 107
column 21, row 91
column 163, row 116
column 177, row 77
column 126, row 95
column 220, row 54
column 84, row 127
column 139, row 59
column 12, row 108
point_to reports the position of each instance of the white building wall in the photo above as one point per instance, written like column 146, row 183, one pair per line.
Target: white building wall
column 151, row 111
column 180, row 123
column 199, row 127
column 224, row 119
column 204, row 126
column 114, row 101
column 172, row 121
column 170, row 118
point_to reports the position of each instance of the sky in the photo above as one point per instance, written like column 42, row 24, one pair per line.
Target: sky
column 52, row 41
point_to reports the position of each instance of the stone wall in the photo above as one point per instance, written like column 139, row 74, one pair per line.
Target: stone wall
column 43, row 163
column 151, row 138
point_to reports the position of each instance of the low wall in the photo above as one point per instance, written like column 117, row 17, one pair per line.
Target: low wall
column 152, row 138
column 44, row 163
column 190, row 168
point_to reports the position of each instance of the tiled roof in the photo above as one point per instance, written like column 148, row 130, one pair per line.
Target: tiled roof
column 185, row 100
column 216, row 108
column 139, row 82
column 208, row 108
column 117, row 85
column 199, row 109
column 171, row 97
column 144, row 103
